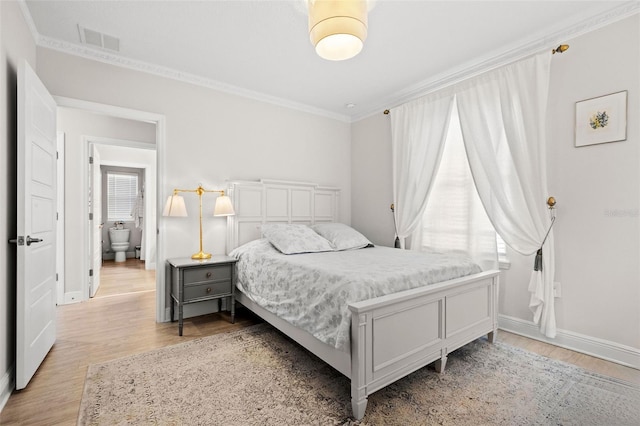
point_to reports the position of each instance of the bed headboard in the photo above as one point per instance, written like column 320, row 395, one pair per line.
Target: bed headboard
column 273, row 201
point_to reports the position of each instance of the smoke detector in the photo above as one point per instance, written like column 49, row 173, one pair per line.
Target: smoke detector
column 97, row 39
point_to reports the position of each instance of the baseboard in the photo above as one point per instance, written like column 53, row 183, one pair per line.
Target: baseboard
column 7, row 385
column 72, row 297
column 599, row 348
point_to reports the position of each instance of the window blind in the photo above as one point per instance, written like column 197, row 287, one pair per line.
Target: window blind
column 454, row 219
column 122, row 190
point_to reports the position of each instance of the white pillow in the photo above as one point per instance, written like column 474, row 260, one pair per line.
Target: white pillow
column 341, row 236
column 293, row 239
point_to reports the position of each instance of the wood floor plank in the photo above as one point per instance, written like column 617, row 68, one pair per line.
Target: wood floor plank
column 587, row 362
column 114, row 325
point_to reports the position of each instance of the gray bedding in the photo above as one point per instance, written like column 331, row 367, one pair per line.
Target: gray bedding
column 312, row 290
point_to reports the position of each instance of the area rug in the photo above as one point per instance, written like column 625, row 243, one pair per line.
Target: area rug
column 256, row 376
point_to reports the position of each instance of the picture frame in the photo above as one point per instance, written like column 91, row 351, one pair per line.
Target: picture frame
column 601, row 120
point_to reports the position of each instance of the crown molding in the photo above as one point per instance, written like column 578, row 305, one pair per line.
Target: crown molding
column 510, row 54
column 26, row 14
column 161, row 71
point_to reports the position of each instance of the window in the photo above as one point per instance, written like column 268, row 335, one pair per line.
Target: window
column 503, row 260
column 454, row 219
column 122, row 190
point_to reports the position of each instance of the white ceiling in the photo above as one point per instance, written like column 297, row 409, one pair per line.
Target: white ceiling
column 261, row 48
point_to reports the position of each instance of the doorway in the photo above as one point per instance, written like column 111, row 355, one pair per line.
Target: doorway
column 78, row 266
column 122, row 194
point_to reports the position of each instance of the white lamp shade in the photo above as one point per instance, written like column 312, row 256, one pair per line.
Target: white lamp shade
column 223, row 206
column 175, row 206
column 337, row 28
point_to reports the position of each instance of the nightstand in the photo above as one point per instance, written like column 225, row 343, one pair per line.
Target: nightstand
column 194, row 281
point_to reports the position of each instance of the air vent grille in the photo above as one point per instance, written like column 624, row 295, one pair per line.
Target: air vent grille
column 111, row 43
column 98, row 39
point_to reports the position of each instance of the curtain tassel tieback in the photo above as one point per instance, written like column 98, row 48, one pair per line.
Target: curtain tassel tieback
column 537, row 264
column 396, row 243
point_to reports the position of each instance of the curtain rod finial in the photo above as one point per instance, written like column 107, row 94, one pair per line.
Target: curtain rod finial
column 560, row 49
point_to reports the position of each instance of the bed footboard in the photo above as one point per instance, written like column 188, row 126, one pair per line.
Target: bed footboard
column 394, row 335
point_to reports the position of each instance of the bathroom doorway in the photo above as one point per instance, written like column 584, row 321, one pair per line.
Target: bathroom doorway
column 122, row 220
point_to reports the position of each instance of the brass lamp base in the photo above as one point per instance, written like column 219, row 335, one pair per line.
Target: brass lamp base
column 201, row 255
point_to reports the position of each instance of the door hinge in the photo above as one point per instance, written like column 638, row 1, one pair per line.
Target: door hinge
column 90, row 216
column 90, row 160
column 56, row 276
column 57, row 218
column 57, row 155
column 90, row 272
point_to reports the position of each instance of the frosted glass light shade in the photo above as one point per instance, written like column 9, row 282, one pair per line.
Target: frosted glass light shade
column 337, row 28
column 223, row 206
column 175, row 206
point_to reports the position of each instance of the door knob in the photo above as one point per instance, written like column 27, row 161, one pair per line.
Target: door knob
column 33, row 240
column 21, row 240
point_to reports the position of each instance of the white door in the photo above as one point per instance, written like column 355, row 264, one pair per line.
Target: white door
column 60, row 227
column 36, row 210
column 96, row 223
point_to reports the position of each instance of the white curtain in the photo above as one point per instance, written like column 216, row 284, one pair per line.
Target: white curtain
column 503, row 117
column 454, row 219
column 418, row 132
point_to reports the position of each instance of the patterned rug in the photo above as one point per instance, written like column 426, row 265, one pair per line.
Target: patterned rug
column 256, row 376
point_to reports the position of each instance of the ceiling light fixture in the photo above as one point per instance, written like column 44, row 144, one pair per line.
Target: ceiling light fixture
column 337, row 28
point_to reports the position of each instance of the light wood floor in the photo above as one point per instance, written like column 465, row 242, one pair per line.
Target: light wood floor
column 125, row 277
column 107, row 328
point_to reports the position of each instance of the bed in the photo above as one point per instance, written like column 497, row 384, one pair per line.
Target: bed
column 388, row 336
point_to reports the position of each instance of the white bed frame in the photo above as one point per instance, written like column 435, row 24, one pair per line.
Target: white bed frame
column 391, row 336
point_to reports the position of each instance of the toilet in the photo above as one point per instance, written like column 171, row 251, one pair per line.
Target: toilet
column 119, row 242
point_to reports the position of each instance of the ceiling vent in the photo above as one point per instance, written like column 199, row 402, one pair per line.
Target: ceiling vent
column 97, row 39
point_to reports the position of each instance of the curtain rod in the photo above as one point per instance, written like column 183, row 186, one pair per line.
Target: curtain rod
column 560, row 49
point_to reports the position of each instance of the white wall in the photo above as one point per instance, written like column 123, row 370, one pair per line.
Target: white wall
column 371, row 179
column 211, row 137
column 598, row 191
column 77, row 124
column 16, row 45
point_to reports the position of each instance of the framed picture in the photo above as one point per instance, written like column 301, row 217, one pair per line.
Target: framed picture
column 602, row 119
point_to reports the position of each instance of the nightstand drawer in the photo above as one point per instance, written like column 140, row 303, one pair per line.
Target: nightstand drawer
column 210, row 273
column 192, row 292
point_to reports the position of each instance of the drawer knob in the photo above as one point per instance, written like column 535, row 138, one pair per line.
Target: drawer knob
column 208, row 290
column 208, row 274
